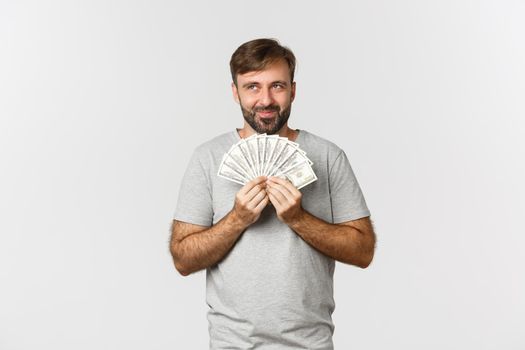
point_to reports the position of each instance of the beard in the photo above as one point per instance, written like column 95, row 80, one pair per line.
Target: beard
column 269, row 126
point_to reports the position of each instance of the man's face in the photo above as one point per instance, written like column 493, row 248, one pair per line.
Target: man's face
column 265, row 97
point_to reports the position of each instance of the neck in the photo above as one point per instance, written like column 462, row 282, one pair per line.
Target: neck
column 285, row 131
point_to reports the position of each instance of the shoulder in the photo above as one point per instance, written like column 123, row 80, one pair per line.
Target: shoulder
column 217, row 145
column 317, row 144
column 207, row 156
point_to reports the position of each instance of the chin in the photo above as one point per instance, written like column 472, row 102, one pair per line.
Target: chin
column 267, row 130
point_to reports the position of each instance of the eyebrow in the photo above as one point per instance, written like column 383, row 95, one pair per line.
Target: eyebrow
column 273, row 82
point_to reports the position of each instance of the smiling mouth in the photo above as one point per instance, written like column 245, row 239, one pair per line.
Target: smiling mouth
column 266, row 114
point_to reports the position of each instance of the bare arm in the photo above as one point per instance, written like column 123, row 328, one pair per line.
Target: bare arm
column 195, row 247
column 352, row 242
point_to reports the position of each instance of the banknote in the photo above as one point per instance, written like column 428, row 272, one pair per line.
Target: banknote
column 230, row 173
column 271, row 142
column 300, row 175
column 267, row 155
column 286, row 152
column 241, row 159
column 275, row 153
column 261, row 148
column 245, row 150
column 295, row 159
column 251, row 144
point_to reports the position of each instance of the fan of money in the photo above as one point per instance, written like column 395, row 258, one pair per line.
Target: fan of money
column 267, row 155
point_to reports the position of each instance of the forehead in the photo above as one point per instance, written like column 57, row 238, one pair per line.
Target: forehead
column 276, row 71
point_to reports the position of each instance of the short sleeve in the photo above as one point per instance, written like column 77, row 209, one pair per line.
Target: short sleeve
column 347, row 200
column 194, row 204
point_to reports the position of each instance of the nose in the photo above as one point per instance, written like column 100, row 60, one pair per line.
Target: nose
column 266, row 97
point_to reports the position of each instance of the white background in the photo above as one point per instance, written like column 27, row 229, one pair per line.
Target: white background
column 102, row 103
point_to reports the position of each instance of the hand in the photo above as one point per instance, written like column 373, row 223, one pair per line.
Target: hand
column 250, row 201
column 285, row 198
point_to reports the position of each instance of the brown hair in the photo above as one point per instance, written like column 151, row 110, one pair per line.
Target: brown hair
column 258, row 54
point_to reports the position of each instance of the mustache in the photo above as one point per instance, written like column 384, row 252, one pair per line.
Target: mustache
column 270, row 108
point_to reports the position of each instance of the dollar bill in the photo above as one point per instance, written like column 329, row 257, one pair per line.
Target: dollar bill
column 237, row 155
column 276, row 153
column 261, row 149
column 251, row 143
column 268, row 155
column 249, row 157
column 295, row 159
column 286, row 152
column 230, row 173
column 301, row 175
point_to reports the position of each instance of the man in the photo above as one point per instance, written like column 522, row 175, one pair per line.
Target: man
column 268, row 248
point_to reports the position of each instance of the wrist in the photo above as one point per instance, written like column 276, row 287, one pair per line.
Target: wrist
column 236, row 221
column 297, row 219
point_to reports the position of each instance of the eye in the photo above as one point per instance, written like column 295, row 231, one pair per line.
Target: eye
column 252, row 87
column 278, row 86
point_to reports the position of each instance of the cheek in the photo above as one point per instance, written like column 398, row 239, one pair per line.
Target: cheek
column 284, row 101
column 247, row 105
column 246, row 101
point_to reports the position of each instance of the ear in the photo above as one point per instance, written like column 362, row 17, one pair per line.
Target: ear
column 235, row 93
column 292, row 95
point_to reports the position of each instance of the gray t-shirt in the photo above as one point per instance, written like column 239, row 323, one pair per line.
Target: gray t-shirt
column 272, row 290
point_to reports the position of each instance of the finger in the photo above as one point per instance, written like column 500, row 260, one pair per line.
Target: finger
column 255, row 191
column 262, row 204
column 277, row 194
column 287, row 195
column 288, row 190
column 274, row 201
column 285, row 183
column 256, row 200
column 250, row 185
